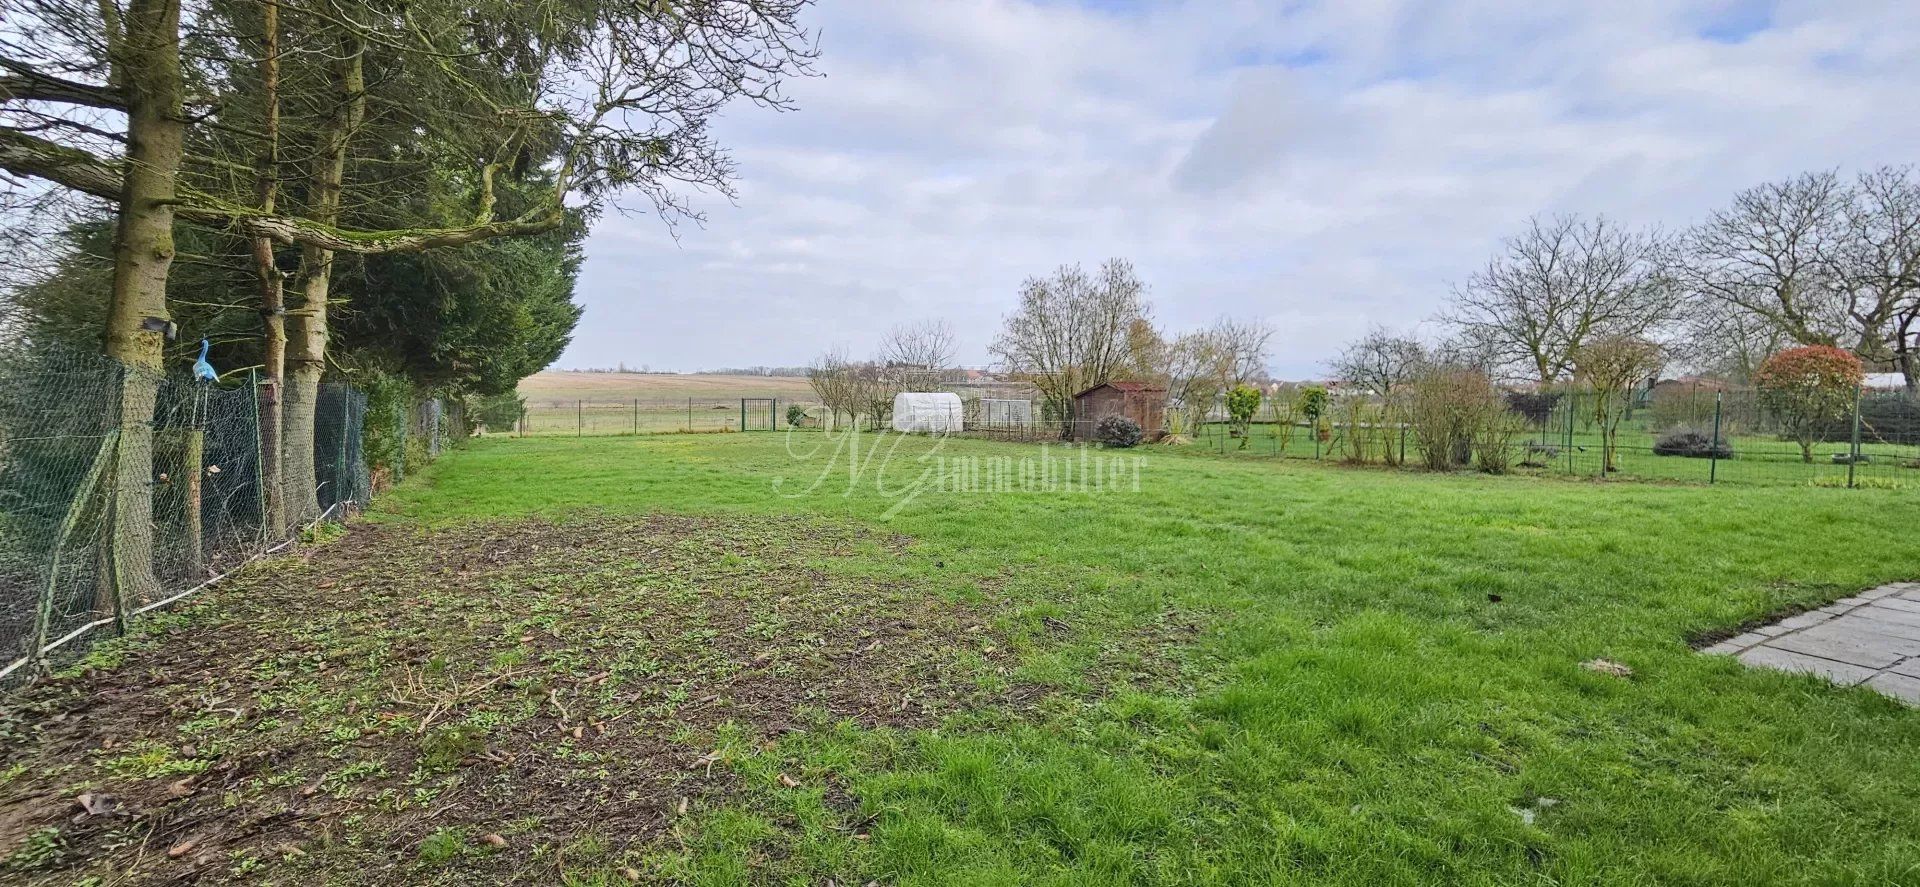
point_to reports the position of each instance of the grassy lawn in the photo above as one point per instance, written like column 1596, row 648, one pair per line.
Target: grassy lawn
column 708, row 659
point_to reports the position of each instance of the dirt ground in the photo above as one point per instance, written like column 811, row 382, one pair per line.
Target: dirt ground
column 471, row 705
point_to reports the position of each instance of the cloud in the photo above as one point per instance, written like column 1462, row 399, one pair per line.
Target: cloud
column 1322, row 165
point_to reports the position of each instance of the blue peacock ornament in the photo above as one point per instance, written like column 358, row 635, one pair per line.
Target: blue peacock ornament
column 202, row 370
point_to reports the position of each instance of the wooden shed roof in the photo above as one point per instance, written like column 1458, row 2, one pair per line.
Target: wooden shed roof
column 1121, row 386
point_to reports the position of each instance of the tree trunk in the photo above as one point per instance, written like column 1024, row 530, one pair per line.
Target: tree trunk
column 307, row 324
column 1903, row 352
column 148, row 63
column 273, row 306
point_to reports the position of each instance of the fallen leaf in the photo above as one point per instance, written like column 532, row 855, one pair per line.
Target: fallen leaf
column 183, row 848
column 579, row 732
column 180, row 789
column 788, row 781
column 683, row 806
column 97, row 804
column 1608, row 667
column 494, row 839
column 630, row 873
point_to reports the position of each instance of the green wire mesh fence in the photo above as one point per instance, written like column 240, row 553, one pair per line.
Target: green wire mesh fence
column 79, row 551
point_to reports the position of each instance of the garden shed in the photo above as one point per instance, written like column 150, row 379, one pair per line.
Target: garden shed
column 1143, row 403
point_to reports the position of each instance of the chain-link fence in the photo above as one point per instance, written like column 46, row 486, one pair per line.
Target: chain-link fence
column 83, row 549
column 746, row 412
column 1690, row 433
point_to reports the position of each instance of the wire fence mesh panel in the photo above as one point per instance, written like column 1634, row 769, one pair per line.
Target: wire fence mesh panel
column 120, row 489
column 1684, row 433
column 339, row 465
column 588, row 418
column 57, row 442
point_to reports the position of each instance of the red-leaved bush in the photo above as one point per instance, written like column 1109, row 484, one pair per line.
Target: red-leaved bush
column 1809, row 389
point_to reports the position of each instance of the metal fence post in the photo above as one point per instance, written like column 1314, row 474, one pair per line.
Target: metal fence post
column 1571, row 396
column 1713, row 448
column 259, row 449
column 689, row 415
column 636, row 417
column 579, row 420
column 340, row 463
column 1853, row 452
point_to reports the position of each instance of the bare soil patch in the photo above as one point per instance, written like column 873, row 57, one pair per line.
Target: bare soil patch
column 499, row 694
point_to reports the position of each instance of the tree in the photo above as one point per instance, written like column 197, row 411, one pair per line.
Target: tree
column 1149, row 354
column 1809, row 388
column 1070, row 331
column 1312, row 402
column 1204, row 365
column 1612, row 366
column 1726, row 340
column 917, row 356
column 1880, row 263
column 1772, row 255
column 1193, row 378
column 831, row 377
column 474, row 319
column 601, row 97
column 1241, row 349
column 1380, row 361
column 1556, row 286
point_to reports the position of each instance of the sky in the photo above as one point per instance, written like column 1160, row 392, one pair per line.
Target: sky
column 1321, row 166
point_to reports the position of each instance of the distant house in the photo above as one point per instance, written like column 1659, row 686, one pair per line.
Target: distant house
column 1145, row 404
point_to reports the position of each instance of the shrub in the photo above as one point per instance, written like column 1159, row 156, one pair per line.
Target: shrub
column 1809, row 389
column 1693, row 443
column 1242, row 402
column 1362, row 421
column 1449, row 407
column 1176, row 427
column 796, row 415
column 1280, row 423
column 1118, row 432
column 1494, row 429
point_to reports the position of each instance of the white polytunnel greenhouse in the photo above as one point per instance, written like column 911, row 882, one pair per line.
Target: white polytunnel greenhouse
column 931, row 412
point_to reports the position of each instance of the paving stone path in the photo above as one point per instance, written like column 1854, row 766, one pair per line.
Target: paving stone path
column 1872, row 638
